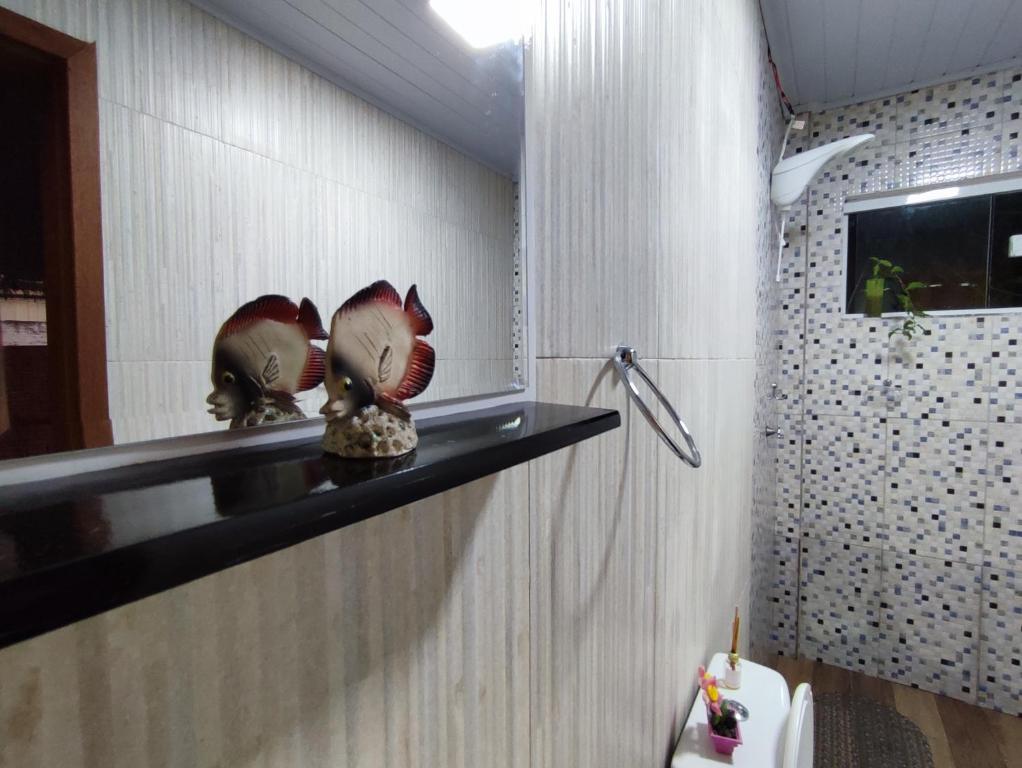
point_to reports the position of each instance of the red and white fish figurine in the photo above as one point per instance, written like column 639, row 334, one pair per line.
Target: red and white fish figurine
column 374, row 356
column 262, row 356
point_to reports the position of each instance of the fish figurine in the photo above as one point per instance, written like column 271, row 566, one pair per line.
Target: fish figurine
column 262, row 356
column 374, row 356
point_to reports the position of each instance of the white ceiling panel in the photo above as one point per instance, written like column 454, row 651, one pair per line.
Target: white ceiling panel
column 912, row 24
column 978, row 31
column 841, row 48
column 873, row 52
column 399, row 55
column 806, row 23
column 837, row 51
column 949, row 20
column 1006, row 39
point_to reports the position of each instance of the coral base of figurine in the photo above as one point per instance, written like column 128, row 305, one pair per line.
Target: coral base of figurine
column 268, row 414
column 370, row 434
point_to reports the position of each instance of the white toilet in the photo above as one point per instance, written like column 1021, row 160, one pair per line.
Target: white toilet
column 778, row 733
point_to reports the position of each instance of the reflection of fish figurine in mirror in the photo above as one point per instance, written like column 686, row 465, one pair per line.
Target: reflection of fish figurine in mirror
column 375, row 359
column 261, row 357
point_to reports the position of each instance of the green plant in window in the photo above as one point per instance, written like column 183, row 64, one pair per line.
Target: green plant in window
column 888, row 276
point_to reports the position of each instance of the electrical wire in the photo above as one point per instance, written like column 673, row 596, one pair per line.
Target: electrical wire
column 785, row 101
column 786, row 105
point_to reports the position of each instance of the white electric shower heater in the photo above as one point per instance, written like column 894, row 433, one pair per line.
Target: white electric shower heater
column 792, row 175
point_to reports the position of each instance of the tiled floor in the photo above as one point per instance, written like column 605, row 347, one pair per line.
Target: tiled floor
column 960, row 735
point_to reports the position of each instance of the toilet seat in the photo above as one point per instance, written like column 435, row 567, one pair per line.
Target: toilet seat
column 798, row 735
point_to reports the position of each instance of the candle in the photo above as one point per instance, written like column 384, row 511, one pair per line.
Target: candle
column 734, row 633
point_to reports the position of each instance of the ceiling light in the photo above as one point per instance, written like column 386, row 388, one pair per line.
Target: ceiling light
column 484, row 23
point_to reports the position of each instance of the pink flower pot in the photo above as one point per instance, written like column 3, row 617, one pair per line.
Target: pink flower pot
column 723, row 744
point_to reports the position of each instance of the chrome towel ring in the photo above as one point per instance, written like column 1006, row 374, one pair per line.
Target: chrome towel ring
column 627, row 359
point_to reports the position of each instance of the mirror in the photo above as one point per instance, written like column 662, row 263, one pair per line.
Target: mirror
column 325, row 147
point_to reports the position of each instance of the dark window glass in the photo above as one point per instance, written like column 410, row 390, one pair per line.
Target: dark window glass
column 1005, row 271
column 942, row 244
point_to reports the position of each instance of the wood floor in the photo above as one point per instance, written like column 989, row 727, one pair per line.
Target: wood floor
column 960, row 735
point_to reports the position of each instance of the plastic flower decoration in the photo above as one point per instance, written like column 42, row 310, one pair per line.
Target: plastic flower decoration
column 710, row 694
column 722, row 720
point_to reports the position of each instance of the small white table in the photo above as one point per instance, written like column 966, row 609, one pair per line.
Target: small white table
column 765, row 693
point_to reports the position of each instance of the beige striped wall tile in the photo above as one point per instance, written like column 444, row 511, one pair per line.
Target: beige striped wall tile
column 448, row 379
column 194, row 228
column 162, row 58
column 593, row 509
column 399, row 641
column 167, row 270
column 590, row 90
column 647, row 232
column 277, row 109
column 644, row 144
column 169, row 59
column 710, row 181
column 163, row 398
column 703, row 529
column 78, row 19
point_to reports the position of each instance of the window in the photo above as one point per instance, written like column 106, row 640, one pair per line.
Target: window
column 963, row 243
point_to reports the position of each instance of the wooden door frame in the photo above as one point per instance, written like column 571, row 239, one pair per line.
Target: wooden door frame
column 75, row 316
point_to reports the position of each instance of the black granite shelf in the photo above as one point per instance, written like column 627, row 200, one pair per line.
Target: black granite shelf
column 75, row 547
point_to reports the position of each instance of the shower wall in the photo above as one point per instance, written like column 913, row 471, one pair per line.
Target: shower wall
column 898, row 530
column 651, row 131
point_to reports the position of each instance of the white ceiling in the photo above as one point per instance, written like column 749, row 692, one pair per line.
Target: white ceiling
column 836, row 51
column 399, row 55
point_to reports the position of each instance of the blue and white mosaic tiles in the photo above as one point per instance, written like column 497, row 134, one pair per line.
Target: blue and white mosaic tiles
column 789, row 471
column 846, row 368
column 878, row 117
column 1003, row 530
column 900, row 475
column 943, row 373
column 789, row 313
column 929, row 624
column 1012, row 125
column 936, row 484
column 951, row 107
column 839, row 600
column 871, row 168
column 1011, row 143
column 1012, row 98
column 947, row 157
column 770, row 569
column 1006, row 369
column 843, row 493
column 1000, row 643
column 784, row 590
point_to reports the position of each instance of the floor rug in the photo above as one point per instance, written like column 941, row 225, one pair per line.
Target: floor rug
column 853, row 732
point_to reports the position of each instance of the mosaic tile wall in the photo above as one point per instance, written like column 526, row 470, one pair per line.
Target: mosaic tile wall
column 898, row 524
column 765, row 414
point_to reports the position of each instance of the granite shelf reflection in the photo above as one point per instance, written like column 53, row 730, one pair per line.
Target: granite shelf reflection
column 83, row 545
